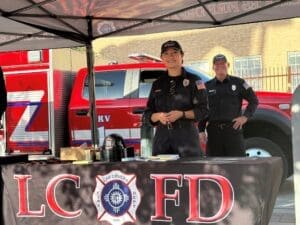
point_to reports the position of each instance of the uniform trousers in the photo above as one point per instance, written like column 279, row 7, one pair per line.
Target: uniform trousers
column 180, row 138
column 224, row 140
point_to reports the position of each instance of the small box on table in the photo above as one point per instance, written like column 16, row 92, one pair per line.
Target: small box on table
column 76, row 153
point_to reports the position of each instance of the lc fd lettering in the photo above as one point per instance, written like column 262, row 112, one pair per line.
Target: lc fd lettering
column 160, row 212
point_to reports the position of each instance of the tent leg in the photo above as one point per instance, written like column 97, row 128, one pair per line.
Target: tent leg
column 296, row 152
column 92, row 98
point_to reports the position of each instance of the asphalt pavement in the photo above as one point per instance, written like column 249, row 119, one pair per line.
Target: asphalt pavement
column 284, row 210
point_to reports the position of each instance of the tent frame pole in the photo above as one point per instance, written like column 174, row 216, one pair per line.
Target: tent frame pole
column 91, row 84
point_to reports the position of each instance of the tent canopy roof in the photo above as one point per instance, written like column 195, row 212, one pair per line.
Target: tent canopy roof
column 36, row 24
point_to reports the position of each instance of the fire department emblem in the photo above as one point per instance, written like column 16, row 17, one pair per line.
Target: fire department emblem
column 116, row 197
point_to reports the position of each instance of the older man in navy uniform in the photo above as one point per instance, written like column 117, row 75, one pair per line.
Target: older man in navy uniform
column 177, row 100
column 225, row 120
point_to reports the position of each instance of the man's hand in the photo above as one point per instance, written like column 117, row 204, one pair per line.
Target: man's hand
column 239, row 122
column 174, row 115
column 159, row 117
column 202, row 137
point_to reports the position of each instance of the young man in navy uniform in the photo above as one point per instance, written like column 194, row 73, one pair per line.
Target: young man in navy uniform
column 225, row 120
column 177, row 100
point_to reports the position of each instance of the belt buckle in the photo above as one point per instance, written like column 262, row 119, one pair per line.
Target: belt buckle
column 169, row 126
column 222, row 126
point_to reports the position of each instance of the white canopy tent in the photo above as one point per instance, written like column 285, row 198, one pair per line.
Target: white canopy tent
column 37, row 24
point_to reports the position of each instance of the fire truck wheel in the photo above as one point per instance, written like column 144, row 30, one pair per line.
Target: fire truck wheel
column 262, row 147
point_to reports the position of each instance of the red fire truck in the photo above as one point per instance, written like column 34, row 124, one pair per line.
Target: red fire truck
column 48, row 106
column 37, row 95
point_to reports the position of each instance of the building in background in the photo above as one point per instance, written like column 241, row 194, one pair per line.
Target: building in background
column 267, row 54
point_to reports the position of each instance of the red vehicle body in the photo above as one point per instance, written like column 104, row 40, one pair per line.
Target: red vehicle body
column 43, row 104
column 35, row 93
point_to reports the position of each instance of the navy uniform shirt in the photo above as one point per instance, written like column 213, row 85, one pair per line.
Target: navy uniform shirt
column 226, row 98
column 189, row 94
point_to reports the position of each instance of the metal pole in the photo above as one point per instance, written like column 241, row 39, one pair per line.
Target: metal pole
column 296, row 152
column 91, row 82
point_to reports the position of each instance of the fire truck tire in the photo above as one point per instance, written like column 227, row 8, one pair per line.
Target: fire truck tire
column 262, row 147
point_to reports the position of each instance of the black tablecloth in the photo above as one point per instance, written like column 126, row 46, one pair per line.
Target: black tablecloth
column 13, row 158
column 95, row 192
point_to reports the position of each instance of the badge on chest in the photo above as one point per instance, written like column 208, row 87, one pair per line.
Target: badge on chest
column 233, row 87
column 186, row 82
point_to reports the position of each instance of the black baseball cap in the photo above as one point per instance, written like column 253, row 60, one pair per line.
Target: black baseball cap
column 170, row 44
column 219, row 57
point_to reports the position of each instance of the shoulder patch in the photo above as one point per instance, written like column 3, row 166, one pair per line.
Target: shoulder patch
column 246, row 85
column 200, row 84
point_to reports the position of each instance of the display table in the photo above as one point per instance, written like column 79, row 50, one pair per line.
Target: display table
column 204, row 191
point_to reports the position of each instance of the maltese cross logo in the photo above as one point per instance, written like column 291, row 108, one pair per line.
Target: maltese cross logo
column 116, row 198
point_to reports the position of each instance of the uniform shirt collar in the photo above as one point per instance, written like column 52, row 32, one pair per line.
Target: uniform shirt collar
column 183, row 74
column 226, row 80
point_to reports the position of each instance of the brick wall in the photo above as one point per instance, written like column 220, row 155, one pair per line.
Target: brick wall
column 271, row 40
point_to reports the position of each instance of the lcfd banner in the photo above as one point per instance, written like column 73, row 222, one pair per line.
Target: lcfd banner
column 210, row 191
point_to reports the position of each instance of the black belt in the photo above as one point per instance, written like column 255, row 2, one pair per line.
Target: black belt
column 177, row 124
column 221, row 124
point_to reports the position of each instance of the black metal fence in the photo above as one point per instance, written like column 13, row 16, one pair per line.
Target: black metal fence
column 275, row 79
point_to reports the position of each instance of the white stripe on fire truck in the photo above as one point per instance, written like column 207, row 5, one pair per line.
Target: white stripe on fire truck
column 126, row 133
column 21, row 132
column 32, row 96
